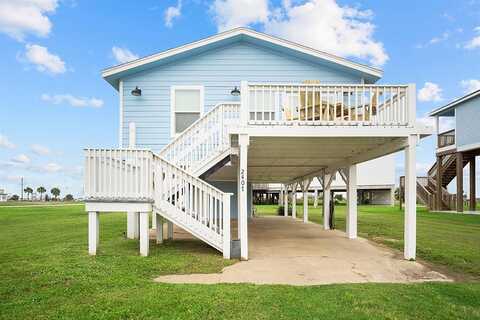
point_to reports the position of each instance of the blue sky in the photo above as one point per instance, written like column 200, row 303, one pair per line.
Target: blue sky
column 54, row 101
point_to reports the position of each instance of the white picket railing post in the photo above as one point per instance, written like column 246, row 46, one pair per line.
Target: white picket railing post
column 412, row 104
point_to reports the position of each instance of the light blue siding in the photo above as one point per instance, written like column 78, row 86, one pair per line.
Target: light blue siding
column 231, row 187
column 467, row 122
column 218, row 70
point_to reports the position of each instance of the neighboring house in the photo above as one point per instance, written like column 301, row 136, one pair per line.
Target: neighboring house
column 375, row 184
column 455, row 149
column 201, row 122
column 3, row 195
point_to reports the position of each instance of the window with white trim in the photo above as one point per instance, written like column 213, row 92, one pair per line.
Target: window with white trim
column 187, row 107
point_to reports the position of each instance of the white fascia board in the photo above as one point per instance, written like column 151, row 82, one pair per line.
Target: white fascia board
column 243, row 31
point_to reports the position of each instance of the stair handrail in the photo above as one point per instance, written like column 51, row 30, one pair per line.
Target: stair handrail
column 206, row 136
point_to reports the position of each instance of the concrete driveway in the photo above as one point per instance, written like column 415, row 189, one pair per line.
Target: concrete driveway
column 288, row 251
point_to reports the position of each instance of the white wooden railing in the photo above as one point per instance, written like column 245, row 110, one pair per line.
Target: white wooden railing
column 121, row 174
column 204, row 139
column 192, row 203
column 117, row 175
column 328, row 104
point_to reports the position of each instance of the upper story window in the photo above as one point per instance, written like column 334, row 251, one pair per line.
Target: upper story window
column 187, row 107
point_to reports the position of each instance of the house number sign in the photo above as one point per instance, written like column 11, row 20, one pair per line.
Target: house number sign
column 242, row 180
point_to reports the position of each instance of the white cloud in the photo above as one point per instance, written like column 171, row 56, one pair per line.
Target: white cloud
column 475, row 41
column 51, row 167
column 230, row 14
column 40, row 150
column 443, row 37
column 172, row 13
column 430, row 92
column 321, row 24
column 72, row 100
column 21, row 158
column 44, row 60
column 470, row 85
column 123, row 55
column 21, row 17
column 5, row 143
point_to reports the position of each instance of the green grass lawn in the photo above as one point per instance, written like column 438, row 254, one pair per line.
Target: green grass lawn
column 45, row 273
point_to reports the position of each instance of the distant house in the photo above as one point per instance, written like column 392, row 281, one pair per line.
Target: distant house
column 200, row 123
column 456, row 148
column 3, row 195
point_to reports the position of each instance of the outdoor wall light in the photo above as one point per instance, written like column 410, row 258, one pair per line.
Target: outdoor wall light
column 136, row 92
column 235, row 92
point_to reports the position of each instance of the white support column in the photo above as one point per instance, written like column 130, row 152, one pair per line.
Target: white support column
column 169, row 230
column 294, row 201
column 242, row 179
column 226, row 226
column 159, row 230
column 326, row 201
column 93, row 232
column 285, row 203
column 352, row 202
column 144, row 233
column 305, row 206
column 132, row 225
column 154, row 221
column 315, row 198
column 410, row 232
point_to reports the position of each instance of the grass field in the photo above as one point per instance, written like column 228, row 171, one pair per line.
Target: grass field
column 45, row 273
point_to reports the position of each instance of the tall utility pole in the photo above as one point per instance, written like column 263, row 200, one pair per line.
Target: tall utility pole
column 22, row 188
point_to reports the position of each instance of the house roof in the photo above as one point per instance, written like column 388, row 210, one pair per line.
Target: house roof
column 113, row 74
column 448, row 109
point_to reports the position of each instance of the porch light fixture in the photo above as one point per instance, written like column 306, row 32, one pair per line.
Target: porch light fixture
column 136, row 92
column 235, row 92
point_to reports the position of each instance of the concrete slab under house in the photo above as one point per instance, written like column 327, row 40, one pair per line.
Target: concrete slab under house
column 203, row 122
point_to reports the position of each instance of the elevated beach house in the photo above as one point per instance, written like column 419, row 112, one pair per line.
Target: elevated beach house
column 201, row 122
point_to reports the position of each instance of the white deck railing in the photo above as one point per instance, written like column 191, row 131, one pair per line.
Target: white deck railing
column 192, row 203
column 204, row 139
column 116, row 175
column 122, row 174
column 328, row 104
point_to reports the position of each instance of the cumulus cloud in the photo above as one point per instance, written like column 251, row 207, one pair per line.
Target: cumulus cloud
column 72, row 100
column 470, row 85
column 322, row 24
column 123, row 55
column 43, row 60
column 21, row 17
column 230, row 14
column 5, row 143
column 474, row 43
column 21, row 158
column 172, row 13
column 40, row 150
column 430, row 92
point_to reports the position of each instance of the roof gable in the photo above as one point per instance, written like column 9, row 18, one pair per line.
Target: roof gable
column 448, row 109
column 113, row 74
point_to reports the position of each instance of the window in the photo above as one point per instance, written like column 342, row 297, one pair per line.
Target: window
column 187, row 107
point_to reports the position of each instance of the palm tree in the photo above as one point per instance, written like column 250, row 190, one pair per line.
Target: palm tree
column 28, row 191
column 56, row 192
column 41, row 190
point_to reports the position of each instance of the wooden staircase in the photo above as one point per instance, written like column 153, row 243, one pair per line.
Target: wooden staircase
column 427, row 186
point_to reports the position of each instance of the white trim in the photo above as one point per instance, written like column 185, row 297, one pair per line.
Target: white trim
column 120, row 129
column 447, row 148
column 118, row 206
column 454, row 103
column 243, row 31
column 469, row 146
column 201, row 88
